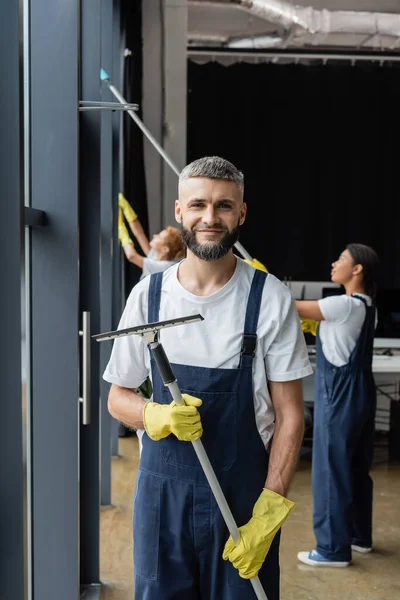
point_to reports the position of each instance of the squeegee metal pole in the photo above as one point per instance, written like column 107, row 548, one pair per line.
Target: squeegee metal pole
column 209, row 473
column 243, row 251
column 104, row 77
column 170, row 382
column 216, row 490
column 143, row 128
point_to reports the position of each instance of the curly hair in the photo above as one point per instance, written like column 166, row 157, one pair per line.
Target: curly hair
column 174, row 242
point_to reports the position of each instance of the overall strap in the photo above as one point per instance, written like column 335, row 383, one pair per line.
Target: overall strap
column 363, row 350
column 154, row 297
column 370, row 311
column 360, row 298
column 249, row 342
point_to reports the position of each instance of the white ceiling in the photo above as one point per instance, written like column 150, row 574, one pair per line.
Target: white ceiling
column 213, row 24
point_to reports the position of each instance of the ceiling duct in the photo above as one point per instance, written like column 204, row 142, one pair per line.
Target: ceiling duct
column 324, row 21
column 308, row 20
column 283, row 14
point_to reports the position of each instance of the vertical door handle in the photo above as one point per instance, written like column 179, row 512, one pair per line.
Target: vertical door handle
column 85, row 399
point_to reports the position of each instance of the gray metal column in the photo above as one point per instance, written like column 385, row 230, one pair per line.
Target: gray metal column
column 54, row 299
column 11, row 464
column 106, row 282
column 89, row 222
column 175, row 99
column 153, row 111
column 117, row 155
column 164, row 102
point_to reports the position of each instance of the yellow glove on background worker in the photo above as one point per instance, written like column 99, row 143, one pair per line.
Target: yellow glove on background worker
column 129, row 213
column 182, row 420
column 256, row 537
column 309, row 326
column 256, row 264
column 123, row 234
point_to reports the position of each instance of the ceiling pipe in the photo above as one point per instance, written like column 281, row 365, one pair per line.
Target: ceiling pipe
column 206, row 38
column 296, row 55
column 255, row 41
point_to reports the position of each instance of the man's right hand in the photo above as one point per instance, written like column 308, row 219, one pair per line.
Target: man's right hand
column 182, row 420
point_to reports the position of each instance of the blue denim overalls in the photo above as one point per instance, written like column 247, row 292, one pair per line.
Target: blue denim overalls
column 179, row 533
column 344, row 425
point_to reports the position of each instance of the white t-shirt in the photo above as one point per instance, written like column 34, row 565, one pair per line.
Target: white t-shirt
column 344, row 317
column 152, row 265
column 281, row 353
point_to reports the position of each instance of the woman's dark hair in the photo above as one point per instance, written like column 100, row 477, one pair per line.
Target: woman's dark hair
column 368, row 258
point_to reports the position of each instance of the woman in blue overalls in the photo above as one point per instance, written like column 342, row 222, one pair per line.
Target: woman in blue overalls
column 344, row 411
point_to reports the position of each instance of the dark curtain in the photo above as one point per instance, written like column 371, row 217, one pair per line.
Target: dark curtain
column 134, row 184
column 319, row 149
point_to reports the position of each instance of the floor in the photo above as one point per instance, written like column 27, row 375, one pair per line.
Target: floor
column 371, row 577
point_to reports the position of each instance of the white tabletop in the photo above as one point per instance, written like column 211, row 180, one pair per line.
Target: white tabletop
column 386, row 364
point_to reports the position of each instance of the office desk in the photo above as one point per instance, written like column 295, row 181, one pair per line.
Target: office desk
column 386, row 370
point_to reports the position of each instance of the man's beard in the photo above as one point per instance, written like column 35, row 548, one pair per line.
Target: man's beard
column 210, row 251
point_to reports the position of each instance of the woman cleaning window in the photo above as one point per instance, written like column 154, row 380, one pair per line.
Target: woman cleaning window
column 164, row 250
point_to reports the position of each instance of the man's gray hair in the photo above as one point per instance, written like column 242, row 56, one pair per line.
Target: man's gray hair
column 212, row 167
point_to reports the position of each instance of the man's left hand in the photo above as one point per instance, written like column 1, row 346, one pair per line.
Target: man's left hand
column 256, row 537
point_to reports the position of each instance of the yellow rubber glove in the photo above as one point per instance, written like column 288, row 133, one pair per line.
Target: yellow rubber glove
column 256, row 537
column 123, row 234
column 182, row 420
column 120, row 217
column 309, row 326
column 129, row 213
column 256, row 264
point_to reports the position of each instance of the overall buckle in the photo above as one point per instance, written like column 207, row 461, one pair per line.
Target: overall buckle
column 249, row 344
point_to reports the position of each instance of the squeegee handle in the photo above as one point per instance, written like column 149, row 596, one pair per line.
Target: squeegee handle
column 169, row 380
column 164, row 366
column 144, row 129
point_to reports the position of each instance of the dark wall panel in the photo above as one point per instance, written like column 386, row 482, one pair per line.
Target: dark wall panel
column 12, row 547
column 318, row 147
